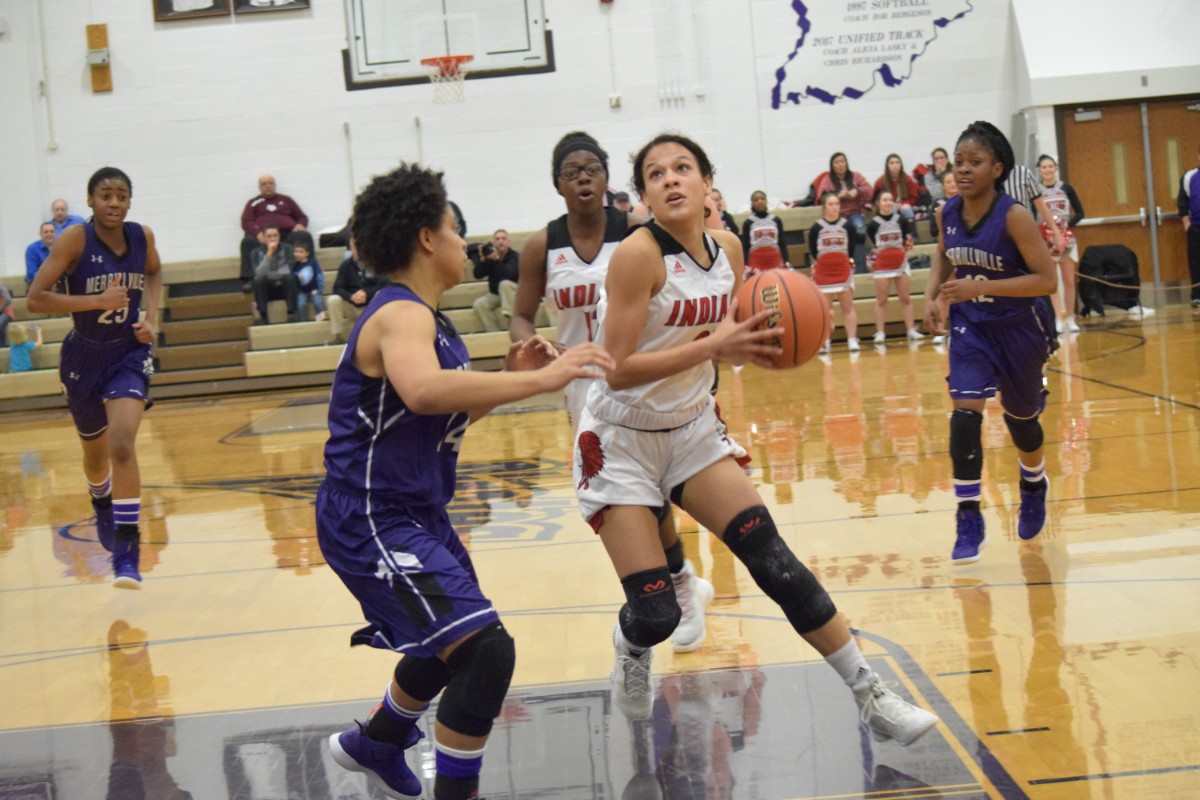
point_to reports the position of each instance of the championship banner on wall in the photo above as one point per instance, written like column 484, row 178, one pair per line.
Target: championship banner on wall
column 845, row 49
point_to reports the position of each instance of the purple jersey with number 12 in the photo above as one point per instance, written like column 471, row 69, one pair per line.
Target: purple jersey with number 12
column 97, row 269
column 984, row 251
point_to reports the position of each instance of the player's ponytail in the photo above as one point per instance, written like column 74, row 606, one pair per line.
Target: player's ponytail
column 995, row 143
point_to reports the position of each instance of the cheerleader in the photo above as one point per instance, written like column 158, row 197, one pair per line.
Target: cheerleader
column 891, row 234
column 762, row 237
column 1064, row 205
column 830, row 242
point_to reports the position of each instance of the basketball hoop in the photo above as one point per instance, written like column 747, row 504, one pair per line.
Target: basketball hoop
column 447, row 77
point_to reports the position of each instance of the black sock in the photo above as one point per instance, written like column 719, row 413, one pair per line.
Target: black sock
column 383, row 727
column 445, row 788
column 102, row 502
column 968, row 505
column 675, row 557
column 128, row 533
column 1033, row 488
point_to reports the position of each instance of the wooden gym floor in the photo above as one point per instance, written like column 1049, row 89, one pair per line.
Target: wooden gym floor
column 1068, row 667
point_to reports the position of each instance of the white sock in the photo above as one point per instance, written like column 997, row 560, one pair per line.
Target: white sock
column 849, row 662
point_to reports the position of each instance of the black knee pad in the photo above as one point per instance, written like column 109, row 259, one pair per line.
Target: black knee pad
column 481, row 670
column 754, row 539
column 651, row 612
column 1026, row 434
column 966, row 444
column 422, row 678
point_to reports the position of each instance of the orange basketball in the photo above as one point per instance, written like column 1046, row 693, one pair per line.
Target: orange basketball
column 799, row 310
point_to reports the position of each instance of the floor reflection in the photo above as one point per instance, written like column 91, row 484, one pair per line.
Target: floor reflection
column 711, row 736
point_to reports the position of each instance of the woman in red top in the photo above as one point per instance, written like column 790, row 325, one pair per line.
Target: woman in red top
column 902, row 186
column 854, row 196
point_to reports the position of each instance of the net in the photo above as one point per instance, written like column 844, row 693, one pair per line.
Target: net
column 448, row 77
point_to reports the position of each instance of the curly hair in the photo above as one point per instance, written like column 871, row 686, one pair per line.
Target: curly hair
column 390, row 213
column 108, row 173
column 995, row 143
column 639, row 159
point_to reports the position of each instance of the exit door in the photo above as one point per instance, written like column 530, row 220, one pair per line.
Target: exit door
column 1125, row 161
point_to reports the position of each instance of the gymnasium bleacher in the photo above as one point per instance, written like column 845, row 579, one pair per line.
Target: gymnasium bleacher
column 209, row 345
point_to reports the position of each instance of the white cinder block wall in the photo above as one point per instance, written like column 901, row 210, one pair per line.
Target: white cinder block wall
column 201, row 107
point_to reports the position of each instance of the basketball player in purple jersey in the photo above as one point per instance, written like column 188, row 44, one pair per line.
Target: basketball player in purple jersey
column 403, row 396
column 106, row 360
column 1001, row 332
column 649, row 432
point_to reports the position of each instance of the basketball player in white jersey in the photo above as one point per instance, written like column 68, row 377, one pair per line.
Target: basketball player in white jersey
column 567, row 262
column 650, row 431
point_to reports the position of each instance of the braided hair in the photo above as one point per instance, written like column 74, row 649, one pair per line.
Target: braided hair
column 995, row 143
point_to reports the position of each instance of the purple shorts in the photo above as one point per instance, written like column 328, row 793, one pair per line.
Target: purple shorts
column 407, row 569
column 95, row 372
column 1004, row 356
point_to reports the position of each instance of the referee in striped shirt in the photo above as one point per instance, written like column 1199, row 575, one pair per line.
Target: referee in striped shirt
column 1024, row 187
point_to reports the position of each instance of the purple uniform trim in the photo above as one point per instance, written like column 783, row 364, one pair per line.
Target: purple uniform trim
column 93, row 373
column 381, row 513
column 97, row 269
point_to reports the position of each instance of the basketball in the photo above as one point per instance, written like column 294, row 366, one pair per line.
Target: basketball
column 799, row 310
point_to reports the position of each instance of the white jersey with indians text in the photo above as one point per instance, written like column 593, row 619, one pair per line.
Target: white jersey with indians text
column 690, row 305
column 574, row 288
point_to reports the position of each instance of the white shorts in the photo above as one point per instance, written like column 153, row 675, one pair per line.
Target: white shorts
column 619, row 466
column 574, row 398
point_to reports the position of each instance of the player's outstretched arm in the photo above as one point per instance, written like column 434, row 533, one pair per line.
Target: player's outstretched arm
column 398, row 341
column 587, row 360
column 530, row 283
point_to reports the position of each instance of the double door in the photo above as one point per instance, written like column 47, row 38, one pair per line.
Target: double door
column 1125, row 161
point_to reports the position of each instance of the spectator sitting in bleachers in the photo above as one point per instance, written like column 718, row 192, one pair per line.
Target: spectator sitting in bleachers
column 932, row 176
column 352, row 290
column 20, row 349
column 854, row 197
column 273, row 262
column 502, row 269
column 727, row 220
column 38, row 251
column 948, row 188
column 310, row 280
column 6, row 313
column 61, row 218
column 904, row 189
column 267, row 208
